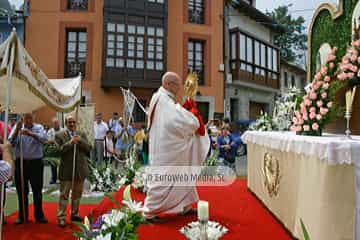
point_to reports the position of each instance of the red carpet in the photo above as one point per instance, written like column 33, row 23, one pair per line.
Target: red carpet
column 35, row 231
column 233, row 206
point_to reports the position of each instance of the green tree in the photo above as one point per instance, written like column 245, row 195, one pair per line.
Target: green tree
column 292, row 42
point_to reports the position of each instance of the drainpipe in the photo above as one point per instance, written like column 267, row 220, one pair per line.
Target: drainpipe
column 226, row 54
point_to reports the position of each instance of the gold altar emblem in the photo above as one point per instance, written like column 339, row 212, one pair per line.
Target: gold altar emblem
column 272, row 176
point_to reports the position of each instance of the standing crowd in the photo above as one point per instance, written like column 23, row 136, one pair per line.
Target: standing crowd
column 27, row 141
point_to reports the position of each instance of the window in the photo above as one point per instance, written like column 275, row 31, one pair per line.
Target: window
column 115, row 45
column 155, row 47
column 129, row 50
column 78, row 4
column 285, row 79
column 75, row 57
column 196, row 58
column 196, row 11
column 293, row 84
column 253, row 56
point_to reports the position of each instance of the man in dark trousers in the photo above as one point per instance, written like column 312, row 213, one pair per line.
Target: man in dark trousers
column 68, row 140
column 28, row 139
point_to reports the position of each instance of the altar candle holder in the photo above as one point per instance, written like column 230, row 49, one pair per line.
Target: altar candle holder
column 203, row 216
column 348, row 131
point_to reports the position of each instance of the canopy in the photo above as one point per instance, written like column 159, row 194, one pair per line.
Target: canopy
column 28, row 87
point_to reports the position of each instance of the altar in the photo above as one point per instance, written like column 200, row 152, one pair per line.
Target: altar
column 308, row 178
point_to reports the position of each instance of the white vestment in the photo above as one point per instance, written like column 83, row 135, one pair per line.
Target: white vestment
column 172, row 142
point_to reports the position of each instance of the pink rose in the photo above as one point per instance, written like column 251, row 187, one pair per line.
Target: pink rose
column 326, row 86
column 331, row 65
column 329, row 104
column 318, row 117
column 297, row 114
column 306, row 128
column 351, row 75
column 327, row 79
column 293, row 128
column 312, row 115
column 354, row 58
column 319, row 103
column 345, row 60
column 358, row 74
column 324, row 95
column 313, row 95
column 324, row 111
column 324, row 70
column 331, row 57
column 305, row 117
column 342, row 76
column 298, row 128
column 308, row 102
column 354, row 68
column 312, row 109
column 301, row 121
column 315, row 126
column 295, row 120
column 318, row 76
column 319, row 83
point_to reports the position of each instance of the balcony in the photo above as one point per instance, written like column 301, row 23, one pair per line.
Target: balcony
column 254, row 74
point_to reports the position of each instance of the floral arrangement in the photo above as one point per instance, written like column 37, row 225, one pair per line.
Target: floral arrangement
column 103, row 178
column 215, row 230
column 120, row 223
column 284, row 109
column 132, row 165
column 139, row 181
column 350, row 65
column 318, row 107
column 263, row 123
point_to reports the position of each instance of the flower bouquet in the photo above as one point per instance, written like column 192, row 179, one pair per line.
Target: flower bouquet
column 318, row 106
column 120, row 223
column 263, row 123
column 103, row 178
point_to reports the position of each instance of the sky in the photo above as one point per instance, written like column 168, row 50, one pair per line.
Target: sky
column 305, row 8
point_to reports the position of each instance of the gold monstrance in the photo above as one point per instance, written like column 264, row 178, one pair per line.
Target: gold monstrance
column 191, row 84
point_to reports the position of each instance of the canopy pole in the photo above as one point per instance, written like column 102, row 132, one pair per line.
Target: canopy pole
column 8, row 100
column 74, row 156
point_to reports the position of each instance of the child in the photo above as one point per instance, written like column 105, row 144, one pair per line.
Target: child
column 109, row 150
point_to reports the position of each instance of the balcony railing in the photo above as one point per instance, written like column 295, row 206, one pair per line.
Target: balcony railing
column 72, row 69
column 254, row 74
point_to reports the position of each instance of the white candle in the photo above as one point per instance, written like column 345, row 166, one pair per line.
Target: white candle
column 203, row 210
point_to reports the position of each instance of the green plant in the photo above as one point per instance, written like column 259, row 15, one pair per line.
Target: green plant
column 305, row 232
column 335, row 32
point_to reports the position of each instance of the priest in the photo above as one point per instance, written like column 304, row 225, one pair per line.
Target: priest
column 176, row 138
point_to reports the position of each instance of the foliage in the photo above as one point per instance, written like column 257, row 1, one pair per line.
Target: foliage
column 336, row 33
column 132, row 165
column 305, row 232
column 117, row 224
column 292, row 43
column 318, row 107
column 103, row 178
column 263, row 123
column 212, row 160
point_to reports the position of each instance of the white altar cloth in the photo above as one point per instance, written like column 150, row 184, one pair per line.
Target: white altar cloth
column 329, row 148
